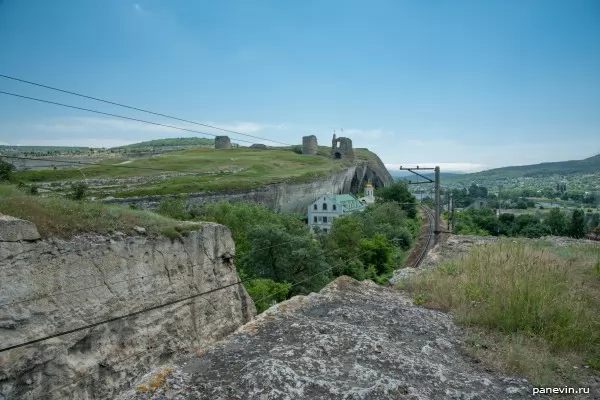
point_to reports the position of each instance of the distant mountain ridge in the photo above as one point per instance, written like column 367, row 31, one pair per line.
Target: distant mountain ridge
column 587, row 165
column 431, row 175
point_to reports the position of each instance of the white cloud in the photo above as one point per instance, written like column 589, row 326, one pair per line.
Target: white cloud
column 365, row 133
column 242, row 127
column 68, row 130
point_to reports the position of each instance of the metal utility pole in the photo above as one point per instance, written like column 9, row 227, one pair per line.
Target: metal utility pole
column 436, row 230
column 451, row 214
column 436, row 183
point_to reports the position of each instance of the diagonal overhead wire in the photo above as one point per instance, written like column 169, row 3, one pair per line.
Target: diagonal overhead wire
column 116, row 115
column 137, row 109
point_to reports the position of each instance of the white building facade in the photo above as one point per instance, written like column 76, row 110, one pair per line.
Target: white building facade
column 325, row 209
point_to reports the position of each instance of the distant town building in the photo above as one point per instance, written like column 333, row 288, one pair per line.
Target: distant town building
column 326, row 208
column 478, row 203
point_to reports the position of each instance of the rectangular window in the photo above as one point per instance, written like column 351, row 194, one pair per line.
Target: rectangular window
column 324, row 220
column 334, row 207
column 315, row 219
column 315, row 207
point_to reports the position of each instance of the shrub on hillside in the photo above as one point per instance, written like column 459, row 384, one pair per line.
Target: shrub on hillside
column 6, row 171
column 78, row 191
column 172, row 208
column 267, row 292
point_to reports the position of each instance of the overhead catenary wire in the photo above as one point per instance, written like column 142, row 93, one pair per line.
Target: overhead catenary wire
column 33, row 341
column 137, row 109
column 13, row 303
column 121, row 116
column 144, row 351
column 118, row 318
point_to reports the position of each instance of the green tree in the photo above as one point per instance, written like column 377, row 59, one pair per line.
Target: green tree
column 398, row 192
column 377, row 252
column 593, row 221
column 6, row 171
column 278, row 255
column 555, row 221
column 266, row 292
column 577, row 226
column 78, row 191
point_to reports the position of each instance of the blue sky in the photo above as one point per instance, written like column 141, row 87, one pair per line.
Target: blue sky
column 467, row 85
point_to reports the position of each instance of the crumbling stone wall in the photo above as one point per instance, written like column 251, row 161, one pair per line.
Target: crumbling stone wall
column 222, row 142
column 342, row 148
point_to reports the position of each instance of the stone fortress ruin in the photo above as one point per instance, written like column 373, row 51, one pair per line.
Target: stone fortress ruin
column 222, row 142
column 341, row 148
column 309, row 145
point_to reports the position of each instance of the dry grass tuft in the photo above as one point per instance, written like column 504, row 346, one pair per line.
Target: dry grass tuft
column 536, row 307
column 60, row 217
column 158, row 380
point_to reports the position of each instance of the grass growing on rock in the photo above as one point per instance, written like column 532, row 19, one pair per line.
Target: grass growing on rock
column 533, row 309
column 223, row 169
column 60, row 217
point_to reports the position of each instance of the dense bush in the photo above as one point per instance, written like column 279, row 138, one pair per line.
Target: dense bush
column 6, row 171
column 78, row 191
column 267, row 292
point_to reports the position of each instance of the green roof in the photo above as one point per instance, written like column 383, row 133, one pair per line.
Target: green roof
column 348, row 201
column 344, row 197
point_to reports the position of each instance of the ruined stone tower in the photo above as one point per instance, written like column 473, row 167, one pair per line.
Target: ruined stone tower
column 341, row 148
column 222, row 142
column 309, row 145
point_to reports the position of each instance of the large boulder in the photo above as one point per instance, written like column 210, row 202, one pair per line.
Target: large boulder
column 14, row 229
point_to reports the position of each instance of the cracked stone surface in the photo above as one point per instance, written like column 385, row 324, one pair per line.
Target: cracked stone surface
column 352, row 340
column 52, row 285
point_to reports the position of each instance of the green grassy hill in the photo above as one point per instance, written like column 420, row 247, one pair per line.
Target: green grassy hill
column 193, row 170
column 579, row 175
column 171, row 142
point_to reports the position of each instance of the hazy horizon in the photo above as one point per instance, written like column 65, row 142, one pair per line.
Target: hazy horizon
column 465, row 85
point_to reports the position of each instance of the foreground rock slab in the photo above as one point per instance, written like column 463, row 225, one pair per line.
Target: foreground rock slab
column 353, row 340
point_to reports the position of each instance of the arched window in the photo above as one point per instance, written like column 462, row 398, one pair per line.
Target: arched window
column 315, row 207
column 334, row 207
column 324, row 206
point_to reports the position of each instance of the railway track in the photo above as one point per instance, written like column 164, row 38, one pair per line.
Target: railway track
column 428, row 239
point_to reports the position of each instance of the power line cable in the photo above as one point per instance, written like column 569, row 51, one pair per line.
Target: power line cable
column 89, row 374
column 118, row 318
column 118, row 116
column 146, row 310
column 137, row 109
column 122, row 281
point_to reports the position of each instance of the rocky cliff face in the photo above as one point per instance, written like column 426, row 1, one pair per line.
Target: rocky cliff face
column 352, row 340
column 289, row 197
column 51, row 286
